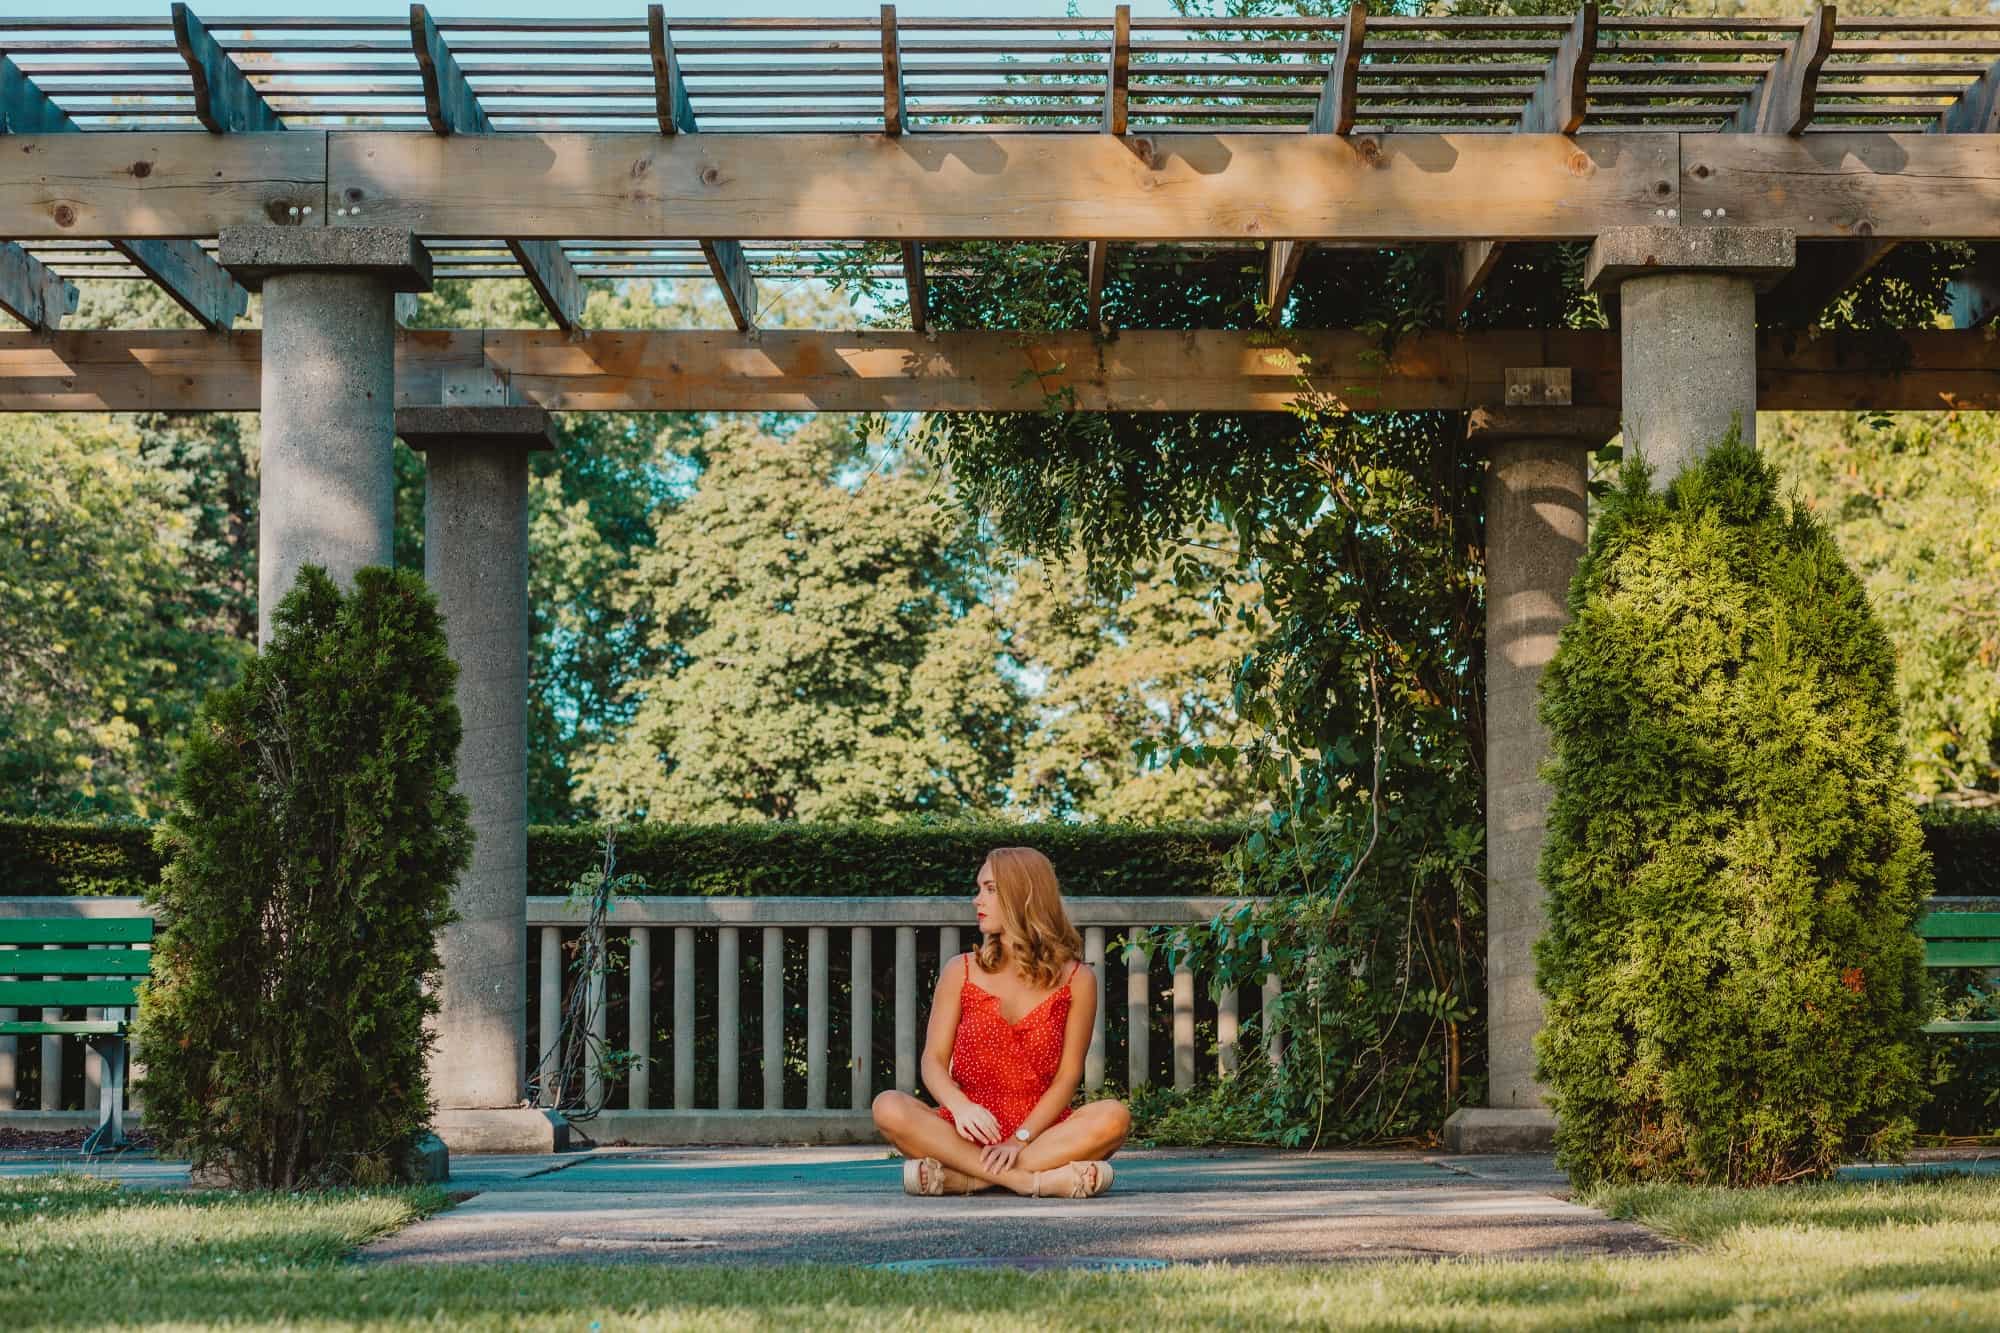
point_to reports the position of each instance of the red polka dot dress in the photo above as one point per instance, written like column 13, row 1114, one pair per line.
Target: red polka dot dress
column 1007, row 1067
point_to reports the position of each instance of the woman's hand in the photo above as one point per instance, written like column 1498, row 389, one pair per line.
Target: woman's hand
column 1001, row 1156
column 975, row 1124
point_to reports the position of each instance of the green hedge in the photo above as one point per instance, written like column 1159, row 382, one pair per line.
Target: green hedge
column 50, row 856
column 44, row 856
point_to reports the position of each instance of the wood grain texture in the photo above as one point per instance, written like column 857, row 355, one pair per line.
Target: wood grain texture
column 1560, row 100
column 892, row 74
column 1887, row 186
column 683, row 370
column 676, row 112
column 731, row 268
column 1118, row 72
column 951, row 186
column 1280, row 272
column 31, row 292
column 224, row 100
column 1334, row 113
column 913, row 282
column 1783, row 101
column 103, row 186
column 1977, row 110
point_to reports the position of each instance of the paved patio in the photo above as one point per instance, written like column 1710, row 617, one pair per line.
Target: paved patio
column 846, row 1205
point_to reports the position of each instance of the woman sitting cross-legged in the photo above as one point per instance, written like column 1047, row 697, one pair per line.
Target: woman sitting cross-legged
column 1009, row 1027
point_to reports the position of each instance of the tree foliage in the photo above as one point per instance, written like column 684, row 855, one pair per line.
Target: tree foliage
column 1733, row 867
column 315, row 838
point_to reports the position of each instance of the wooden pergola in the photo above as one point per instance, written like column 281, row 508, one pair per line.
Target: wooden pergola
column 1731, row 177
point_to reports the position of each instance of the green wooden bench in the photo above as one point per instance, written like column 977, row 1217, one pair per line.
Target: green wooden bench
column 1961, row 939
column 55, row 978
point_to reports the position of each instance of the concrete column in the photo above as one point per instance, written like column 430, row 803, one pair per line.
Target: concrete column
column 1687, row 335
column 1536, row 493
column 476, row 558
column 326, row 484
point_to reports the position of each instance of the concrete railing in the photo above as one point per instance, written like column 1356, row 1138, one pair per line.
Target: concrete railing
column 740, row 1049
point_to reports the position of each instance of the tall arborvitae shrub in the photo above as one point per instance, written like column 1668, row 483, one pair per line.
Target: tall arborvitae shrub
column 1733, row 866
column 312, row 849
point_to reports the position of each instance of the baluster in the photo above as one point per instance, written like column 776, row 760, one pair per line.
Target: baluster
column 861, row 1016
column 52, row 1057
column 728, row 996
column 600, row 1022
column 639, row 1004
column 1093, row 1060
column 1138, row 1054
column 135, row 1068
column 683, row 1018
column 774, row 1018
column 10, row 1067
column 906, row 1008
column 947, row 947
column 1274, row 1045
column 548, row 1013
column 1225, row 1030
column 1183, row 1022
column 93, row 1059
column 816, row 1018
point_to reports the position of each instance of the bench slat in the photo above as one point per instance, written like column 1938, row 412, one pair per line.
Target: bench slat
column 74, row 962
column 1959, row 926
column 1962, row 953
column 63, row 994
column 27, row 1029
column 76, row 930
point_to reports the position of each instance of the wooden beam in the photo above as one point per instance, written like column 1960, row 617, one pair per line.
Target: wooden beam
column 1557, row 106
column 1977, row 110
column 725, row 256
column 1280, row 271
column 1093, row 309
column 1118, row 72
column 892, row 74
column 1403, row 188
column 31, row 292
column 1335, row 112
column 197, row 283
column 997, row 370
column 670, row 97
column 1783, row 102
column 453, row 108
column 224, row 100
column 1975, row 293
column 913, row 281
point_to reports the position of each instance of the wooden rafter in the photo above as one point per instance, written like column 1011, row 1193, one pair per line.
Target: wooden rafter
column 726, row 259
column 1117, row 90
column 453, row 108
column 1782, row 102
column 1557, row 106
column 224, row 99
column 997, row 370
column 894, row 122
column 197, row 283
column 1333, row 114
column 32, row 292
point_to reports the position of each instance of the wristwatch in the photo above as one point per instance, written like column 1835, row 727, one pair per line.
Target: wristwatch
column 1022, row 1134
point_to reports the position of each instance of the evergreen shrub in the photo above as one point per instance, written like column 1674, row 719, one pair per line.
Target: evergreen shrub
column 311, row 852
column 1733, row 865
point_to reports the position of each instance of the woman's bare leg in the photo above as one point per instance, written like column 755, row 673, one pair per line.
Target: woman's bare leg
column 1092, row 1133
column 917, row 1131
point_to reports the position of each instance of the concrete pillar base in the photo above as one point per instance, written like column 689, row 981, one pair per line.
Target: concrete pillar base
column 501, row 1129
column 1488, row 1129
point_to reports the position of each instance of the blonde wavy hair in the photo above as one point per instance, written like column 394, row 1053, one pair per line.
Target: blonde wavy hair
column 1043, row 940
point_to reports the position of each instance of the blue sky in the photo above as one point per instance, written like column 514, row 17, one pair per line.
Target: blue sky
column 594, row 8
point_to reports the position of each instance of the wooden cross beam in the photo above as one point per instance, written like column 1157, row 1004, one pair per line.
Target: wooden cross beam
column 32, row 292
column 453, row 108
column 201, row 286
column 1557, row 106
column 224, row 99
column 726, row 259
column 982, row 371
column 1333, row 114
column 1783, row 102
column 1117, row 96
column 894, row 121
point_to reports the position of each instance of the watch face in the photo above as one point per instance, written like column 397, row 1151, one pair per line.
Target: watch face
column 1021, row 1134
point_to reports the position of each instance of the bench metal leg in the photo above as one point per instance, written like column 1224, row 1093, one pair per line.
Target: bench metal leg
column 109, row 1136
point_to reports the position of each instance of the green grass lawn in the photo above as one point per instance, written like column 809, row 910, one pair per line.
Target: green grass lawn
column 80, row 1253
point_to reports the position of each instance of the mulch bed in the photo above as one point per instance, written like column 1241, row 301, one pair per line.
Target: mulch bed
column 56, row 1140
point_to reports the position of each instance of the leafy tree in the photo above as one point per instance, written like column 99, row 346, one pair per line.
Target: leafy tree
column 311, row 851
column 829, row 656
column 1733, row 868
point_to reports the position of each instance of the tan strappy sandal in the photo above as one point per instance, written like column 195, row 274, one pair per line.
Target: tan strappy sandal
column 923, row 1176
column 1086, row 1181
